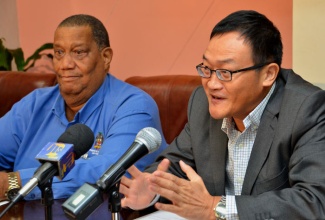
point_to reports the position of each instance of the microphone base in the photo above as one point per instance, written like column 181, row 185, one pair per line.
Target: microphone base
column 115, row 201
column 47, row 198
column 83, row 202
column 115, row 216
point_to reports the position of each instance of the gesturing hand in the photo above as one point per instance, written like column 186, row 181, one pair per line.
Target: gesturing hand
column 136, row 190
column 190, row 198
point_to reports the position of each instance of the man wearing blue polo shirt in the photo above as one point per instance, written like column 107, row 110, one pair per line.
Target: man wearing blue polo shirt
column 86, row 93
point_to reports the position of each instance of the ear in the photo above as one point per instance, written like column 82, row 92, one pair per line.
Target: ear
column 107, row 54
column 270, row 74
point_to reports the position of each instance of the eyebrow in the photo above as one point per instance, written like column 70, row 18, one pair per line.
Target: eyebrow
column 74, row 45
column 225, row 61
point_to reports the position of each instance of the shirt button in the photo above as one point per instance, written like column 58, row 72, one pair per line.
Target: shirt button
column 239, row 180
column 241, row 145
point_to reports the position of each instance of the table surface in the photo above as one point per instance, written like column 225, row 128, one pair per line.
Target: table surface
column 35, row 210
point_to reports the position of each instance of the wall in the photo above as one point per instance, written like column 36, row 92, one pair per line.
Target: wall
column 308, row 40
column 9, row 25
column 149, row 37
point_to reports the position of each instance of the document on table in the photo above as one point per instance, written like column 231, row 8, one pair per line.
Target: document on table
column 3, row 202
column 161, row 215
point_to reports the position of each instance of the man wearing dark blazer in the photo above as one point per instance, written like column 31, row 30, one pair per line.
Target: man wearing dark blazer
column 254, row 144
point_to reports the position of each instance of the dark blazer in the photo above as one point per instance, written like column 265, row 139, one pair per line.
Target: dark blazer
column 285, row 177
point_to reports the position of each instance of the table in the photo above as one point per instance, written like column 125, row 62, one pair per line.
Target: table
column 34, row 210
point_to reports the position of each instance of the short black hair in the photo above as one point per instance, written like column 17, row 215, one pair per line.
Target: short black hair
column 98, row 29
column 258, row 31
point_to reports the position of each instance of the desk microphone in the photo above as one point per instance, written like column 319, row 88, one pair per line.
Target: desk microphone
column 88, row 197
column 58, row 158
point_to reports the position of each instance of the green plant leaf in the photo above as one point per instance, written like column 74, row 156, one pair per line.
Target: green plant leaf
column 18, row 55
column 36, row 55
column 5, row 57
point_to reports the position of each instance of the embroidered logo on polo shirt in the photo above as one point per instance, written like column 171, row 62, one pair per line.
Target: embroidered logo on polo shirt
column 97, row 146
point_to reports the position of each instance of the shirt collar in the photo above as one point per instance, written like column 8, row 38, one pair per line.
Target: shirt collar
column 253, row 118
column 85, row 112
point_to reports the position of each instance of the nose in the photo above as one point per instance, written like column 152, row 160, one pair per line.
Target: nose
column 67, row 62
column 214, row 82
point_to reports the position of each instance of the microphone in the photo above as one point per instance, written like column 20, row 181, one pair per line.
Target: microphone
column 60, row 161
column 147, row 141
column 88, row 197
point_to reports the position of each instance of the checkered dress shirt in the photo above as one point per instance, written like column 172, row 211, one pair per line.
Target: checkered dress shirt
column 240, row 146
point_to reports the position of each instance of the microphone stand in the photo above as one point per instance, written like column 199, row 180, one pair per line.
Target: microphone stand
column 47, row 198
column 114, row 201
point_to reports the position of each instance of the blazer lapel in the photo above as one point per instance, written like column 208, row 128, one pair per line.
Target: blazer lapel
column 218, row 144
column 264, row 137
column 261, row 147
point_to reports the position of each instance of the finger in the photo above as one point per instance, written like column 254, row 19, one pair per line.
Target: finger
column 190, row 173
column 124, row 202
column 169, row 208
column 160, row 176
column 165, row 185
column 126, row 181
column 124, row 189
column 163, row 192
column 134, row 171
column 163, row 165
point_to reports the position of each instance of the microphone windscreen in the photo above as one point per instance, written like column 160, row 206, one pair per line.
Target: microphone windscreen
column 81, row 136
column 150, row 137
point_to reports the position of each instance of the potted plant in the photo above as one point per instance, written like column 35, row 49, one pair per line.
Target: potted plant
column 8, row 55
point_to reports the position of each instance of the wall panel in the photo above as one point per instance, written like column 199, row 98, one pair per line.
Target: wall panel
column 149, row 37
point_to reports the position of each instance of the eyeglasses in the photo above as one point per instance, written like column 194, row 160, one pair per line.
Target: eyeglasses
column 223, row 74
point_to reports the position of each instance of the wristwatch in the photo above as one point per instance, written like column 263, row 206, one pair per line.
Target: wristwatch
column 220, row 209
column 13, row 186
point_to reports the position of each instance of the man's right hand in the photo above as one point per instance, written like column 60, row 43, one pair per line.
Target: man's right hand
column 136, row 190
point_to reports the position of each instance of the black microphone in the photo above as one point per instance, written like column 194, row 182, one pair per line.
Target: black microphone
column 71, row 145
column 88, row 197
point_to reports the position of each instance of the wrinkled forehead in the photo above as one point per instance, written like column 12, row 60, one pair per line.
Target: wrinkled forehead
column 77, row 30
column 76, row 34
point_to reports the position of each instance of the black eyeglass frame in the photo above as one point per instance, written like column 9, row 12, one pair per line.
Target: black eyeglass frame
column 231, row 72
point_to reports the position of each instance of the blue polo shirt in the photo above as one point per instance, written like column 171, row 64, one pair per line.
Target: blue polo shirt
column 115, row 113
